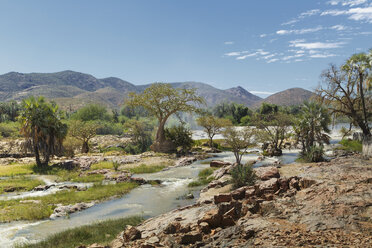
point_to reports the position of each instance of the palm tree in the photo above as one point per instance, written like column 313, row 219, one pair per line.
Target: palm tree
column 311, row 129
column 41, row 124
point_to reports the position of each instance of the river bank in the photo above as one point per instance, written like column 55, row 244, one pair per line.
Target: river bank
column 312, row 205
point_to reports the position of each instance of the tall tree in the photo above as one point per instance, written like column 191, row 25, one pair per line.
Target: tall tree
column 212, row 126
column 41, row 124
column 162, row 101
column 346, row 90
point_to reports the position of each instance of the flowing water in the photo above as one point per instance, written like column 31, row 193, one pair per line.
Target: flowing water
column 146, row 200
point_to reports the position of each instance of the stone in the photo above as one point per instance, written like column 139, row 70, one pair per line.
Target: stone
column 266, row 173
column 269, row 186
column 191, row 238
column 138, row 180
column 222, row 198
column 153, row 240
column 212, row 217
column 184, row 161
column 250, row 191
column 306, row 183
column 219, row 163
column 131, row 233
column 43, row 187
column 172, row 228
column 239, row 194
column 204, row 227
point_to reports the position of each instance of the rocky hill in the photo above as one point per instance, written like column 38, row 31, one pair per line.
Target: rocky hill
column 74, row 89
column 293, row 96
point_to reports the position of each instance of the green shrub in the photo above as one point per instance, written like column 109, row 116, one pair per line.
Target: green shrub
column 106, row 127
column 315, row 154
column 243, row 175
column 71, row 145
column 143, row 168
column 351, row 145
column 9, row 129
column 180, row 136
column 204, row 177
column 133, row 149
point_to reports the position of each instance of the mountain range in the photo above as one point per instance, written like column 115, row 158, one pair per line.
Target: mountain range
column 72, row 90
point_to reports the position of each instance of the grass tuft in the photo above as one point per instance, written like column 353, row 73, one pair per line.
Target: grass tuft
column 204, row 177
column 143, row 168
column 16, row 169
column 102, row 232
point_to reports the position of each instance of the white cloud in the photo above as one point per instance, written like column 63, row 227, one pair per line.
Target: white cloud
column 302, row 16
column 263, row 35
column 350, row 3
column 261, row 92
column 272, row 60
column 229, row 42
column 232, row 54
column 299, row 31
column 315, row 45
column 338, row 27
column 356, row 14
column 322, row 55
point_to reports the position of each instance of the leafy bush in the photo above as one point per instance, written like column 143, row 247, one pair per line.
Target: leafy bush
column 9, row 129
column 106, row 127
column 71, row 145
column 204, row 177
column 92, row 112
column 132, row 149
column 314, row 154
column 351, row 145
column 243, row 175
column 180, row 136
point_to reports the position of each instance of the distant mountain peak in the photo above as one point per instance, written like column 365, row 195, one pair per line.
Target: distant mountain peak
column 239, row 91
column 292, row 96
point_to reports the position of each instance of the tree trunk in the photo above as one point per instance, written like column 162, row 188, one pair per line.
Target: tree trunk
column 37, row 155
column 85, row 147
column 160, row 134
column 161, row 144
column 366, row 130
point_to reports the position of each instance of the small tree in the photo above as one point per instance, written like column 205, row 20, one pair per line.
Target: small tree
column 243, row 175
column 239, row 141
column 162, row 101
column 83, row 131
column 92, row 112
column 343, row 90
column 311, row 129
column 212, row 126
column 41, row 124
column 140, row 132
column 273, row 130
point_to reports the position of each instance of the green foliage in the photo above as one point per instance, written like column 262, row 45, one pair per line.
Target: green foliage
column 83, row 131
column 41, row 123
column 106, row 127
column 70, row 145
column 239, row 141
column 232, row 111
column 19, row 184
column 212, row 125
column 140, row 132
column 204, row 177
column 9, row 111
column 115, row 165
column 10, row 129
column 16, row 169
column 133, row 149
column 267, row 108
column 143, row 168
column 313, row 154
column 243, row 175
column 245, row 120
column 180, row 137
column 346, row 90
column 130, row 112
column 92, row 112
column 311, row 129
column 351, row 145
column 101, row 232
column 162, row 101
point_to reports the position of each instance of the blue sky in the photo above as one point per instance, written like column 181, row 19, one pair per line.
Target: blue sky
column 264, row 46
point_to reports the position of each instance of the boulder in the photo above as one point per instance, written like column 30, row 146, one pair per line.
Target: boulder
column 43, row 187
column 219, row 163
column 212, row 217
column 191, row 238
column 184, row 161
column 131, row 233
column 222, row 198
column 269, row 186
column 204, row 227
column 238, row 194
column 172, row 228
column 265, row 173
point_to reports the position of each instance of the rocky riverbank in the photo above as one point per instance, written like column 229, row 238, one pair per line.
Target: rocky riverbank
column 311, row 205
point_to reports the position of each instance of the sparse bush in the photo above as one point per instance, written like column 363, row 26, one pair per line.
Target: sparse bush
column 9, row 129
column 115, row 165
column 71, row 145
column 351, row 145
column 314, row 154
column 132, row 149
column 243, row 175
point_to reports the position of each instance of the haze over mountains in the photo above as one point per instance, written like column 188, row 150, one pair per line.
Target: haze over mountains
column 72, row 90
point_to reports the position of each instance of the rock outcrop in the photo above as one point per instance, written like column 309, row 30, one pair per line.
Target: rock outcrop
column 311, row 205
